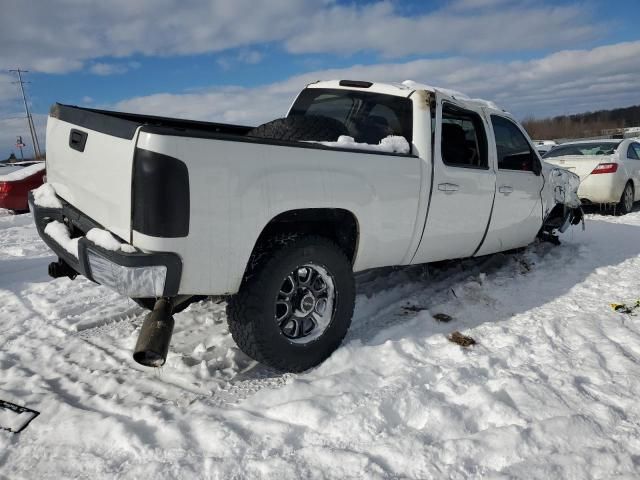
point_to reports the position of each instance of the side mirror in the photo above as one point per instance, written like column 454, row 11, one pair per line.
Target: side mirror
column 536, row 166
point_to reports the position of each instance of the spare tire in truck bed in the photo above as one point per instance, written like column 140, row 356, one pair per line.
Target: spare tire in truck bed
column 301, row 128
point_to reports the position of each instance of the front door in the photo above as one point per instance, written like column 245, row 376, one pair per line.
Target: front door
column 463, row 186
column 517, row 213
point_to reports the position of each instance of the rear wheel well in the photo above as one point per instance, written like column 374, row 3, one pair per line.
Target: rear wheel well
column 336, row 224
column 633, row 187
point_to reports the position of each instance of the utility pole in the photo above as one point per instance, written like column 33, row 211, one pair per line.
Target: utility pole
column 20, row 144
column 32, row 127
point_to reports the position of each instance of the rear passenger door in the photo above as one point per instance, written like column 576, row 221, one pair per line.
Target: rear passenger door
column 463, row 185
column 632, row 164
column 517, row 212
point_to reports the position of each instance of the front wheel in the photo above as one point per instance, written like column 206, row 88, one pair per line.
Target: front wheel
column 626, row 200
column 295, row 307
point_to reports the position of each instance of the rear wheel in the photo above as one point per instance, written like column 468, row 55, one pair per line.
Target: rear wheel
column 626, row 200
column 294, row 307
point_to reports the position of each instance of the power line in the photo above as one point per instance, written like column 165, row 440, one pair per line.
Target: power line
column 32, row 127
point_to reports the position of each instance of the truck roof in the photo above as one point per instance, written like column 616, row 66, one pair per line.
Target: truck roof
column 404, row 89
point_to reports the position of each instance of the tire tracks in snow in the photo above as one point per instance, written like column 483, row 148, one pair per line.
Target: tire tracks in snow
column 373, row 283
column 381, row 295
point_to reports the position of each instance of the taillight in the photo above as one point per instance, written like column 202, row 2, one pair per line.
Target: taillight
column 5, row 187
column 605, row 168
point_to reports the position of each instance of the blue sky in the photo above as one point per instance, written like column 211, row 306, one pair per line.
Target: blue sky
column 243, row 61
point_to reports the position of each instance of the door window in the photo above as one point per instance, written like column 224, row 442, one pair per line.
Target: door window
column 463, row 142
column 514, row 151
column 634, row 151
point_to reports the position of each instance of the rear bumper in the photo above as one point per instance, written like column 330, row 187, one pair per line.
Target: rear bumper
column 602, row 188
column 11, row 202
column 135, row 275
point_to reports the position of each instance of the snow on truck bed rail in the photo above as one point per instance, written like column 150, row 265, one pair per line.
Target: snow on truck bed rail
column 390, row 144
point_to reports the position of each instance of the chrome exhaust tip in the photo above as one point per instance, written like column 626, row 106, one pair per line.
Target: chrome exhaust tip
column 155, row 335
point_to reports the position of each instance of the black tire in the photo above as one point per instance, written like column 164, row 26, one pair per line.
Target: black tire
column 148, row 302
column 301, row 128
column 251, row 312
column 624, row 206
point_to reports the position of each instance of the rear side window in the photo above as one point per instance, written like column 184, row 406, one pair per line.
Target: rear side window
column 514, row 151
column 636, row 147
column 369, row 117
column 633, row 151
column 463, row 141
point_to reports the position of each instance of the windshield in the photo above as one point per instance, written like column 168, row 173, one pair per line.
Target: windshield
column 369, row 117
column 592, row 148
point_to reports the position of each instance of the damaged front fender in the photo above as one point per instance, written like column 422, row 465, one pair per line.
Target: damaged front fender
column 562, row 206
column 565, row 187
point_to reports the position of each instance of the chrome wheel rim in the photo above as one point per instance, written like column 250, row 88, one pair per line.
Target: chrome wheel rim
column 628, row 198
column 305, row 303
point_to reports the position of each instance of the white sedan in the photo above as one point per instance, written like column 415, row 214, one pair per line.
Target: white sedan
column 609, row 170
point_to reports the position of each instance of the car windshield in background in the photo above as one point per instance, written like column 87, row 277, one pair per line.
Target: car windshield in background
column 369, row 117
column 599, row 148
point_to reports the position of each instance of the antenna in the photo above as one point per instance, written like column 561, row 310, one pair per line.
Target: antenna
column 32, row 127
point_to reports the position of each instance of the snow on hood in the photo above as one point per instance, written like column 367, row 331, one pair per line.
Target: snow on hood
column 21, row 173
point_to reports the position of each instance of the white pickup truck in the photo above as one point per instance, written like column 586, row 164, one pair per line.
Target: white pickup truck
column 278, row 217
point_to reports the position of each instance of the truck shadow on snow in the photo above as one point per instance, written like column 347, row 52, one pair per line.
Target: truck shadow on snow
column 399, row 302
column 17, row 273
column 490, row 289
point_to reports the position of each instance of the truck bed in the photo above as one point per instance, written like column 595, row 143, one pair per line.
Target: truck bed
column 124, row 125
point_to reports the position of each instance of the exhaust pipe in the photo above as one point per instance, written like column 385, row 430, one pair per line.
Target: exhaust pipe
column 155, row 335
column 61, row 269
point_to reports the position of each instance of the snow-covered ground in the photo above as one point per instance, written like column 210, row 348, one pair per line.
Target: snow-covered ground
column 550, row 391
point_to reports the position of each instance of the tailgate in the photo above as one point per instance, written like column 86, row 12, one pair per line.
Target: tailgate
column 581, row 165
column 89, row 163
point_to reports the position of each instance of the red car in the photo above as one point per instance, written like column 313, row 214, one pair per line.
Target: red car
column 16, row 180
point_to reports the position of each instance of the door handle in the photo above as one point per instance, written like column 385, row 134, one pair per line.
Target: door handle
column 77, row 139
column 448, row 187
column 506, row 189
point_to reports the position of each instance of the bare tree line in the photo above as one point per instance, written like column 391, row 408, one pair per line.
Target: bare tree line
column 590, row 124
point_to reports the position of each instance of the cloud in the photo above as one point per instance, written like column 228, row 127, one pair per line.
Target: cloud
column 568, row 81
column 249, row 57
column 105, row 69
column 63, row 35
column 378, row 28
column 564, row 82
column 481, row 4
column 8, row 90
